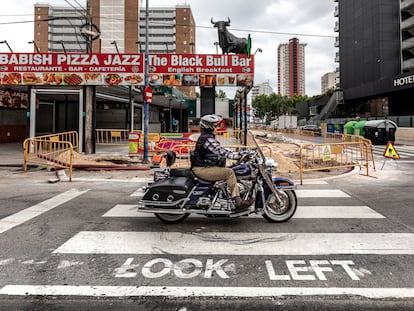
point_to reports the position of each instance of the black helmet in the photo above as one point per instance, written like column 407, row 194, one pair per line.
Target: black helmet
column 208, row 122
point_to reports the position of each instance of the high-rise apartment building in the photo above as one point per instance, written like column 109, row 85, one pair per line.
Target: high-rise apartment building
column 327, row 82
column 57, row 29
column 121, row 24
column 291, row 68
column 261, row 89
column 170, row 29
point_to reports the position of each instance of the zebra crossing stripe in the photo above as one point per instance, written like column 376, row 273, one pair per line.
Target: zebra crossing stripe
column 202, row 291
column 22, row 216
column 303, row 211
column 243, row 243
column 321, row 193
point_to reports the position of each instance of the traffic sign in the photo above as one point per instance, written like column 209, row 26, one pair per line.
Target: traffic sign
column 390, row 152
column 148, row 94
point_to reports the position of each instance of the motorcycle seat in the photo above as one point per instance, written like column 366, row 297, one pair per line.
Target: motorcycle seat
column 187, row 172
column 182, row 172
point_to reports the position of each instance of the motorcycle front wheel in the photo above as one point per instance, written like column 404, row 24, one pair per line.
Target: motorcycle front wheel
column 274, row 212
column 171, row 218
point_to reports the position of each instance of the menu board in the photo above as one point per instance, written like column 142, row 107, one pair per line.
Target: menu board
column 62, row 69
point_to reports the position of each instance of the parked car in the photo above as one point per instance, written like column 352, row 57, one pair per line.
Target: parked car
column 312, row 127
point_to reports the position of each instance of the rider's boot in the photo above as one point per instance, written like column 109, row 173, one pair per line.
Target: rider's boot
column 242, row 205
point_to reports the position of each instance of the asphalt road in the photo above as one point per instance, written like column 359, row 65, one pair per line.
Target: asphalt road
column 82, row 245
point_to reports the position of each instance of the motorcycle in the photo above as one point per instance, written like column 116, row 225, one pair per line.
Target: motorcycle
column 176, row 193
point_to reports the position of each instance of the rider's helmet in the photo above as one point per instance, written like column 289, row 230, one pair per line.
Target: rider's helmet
column 208, row 122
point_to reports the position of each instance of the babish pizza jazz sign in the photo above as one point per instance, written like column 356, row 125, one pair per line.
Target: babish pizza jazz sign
column 126, row 69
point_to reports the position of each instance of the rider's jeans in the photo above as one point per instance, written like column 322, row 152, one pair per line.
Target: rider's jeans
column 216, row 173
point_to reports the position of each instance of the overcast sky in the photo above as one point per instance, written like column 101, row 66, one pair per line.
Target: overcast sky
column 269, row 23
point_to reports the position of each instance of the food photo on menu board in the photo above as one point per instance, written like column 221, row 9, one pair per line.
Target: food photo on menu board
column 11, row 78
column 207, row 80
column 72, row 79
column 133, row 79
column 172, row 80
column 155, row 79
column 225, row 79
column 190, row 79
column 13, row 99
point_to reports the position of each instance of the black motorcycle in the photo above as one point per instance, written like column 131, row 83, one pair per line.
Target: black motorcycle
column 177, row 193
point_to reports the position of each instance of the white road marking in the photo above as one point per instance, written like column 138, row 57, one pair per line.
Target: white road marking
column 227, row 243
column 320, row 193
column 145, row 180
column 200, row 291
column 22, row 216
column 306, row 211
column 314, row 182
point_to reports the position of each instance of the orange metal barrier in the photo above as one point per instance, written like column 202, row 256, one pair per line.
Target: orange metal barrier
column 112, row 137
column 317, row 157
column 48, row 152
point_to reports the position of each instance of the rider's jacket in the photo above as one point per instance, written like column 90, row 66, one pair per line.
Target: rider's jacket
column 209, row 152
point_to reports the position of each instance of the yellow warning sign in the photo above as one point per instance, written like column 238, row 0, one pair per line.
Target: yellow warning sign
column 390, row 152
column 326, row 154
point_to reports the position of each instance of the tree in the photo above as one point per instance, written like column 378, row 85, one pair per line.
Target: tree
column 271, row 106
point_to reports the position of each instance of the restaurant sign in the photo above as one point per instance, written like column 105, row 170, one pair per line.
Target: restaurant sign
column 125, row 69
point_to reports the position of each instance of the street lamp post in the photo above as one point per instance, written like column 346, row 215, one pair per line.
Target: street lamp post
column 35, row 45
column 216, row 44
column 6, row 43
column 116, row 46
column 63, row 46
column 170, row 112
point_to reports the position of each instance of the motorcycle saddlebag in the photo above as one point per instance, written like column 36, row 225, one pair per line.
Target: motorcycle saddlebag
column 169, row 189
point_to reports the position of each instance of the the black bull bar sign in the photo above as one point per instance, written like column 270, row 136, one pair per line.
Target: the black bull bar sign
column 126, row 69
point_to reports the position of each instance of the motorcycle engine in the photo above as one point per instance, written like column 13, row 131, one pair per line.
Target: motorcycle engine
column 244, row 186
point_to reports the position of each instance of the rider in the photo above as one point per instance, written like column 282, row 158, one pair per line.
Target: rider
column 210, row 158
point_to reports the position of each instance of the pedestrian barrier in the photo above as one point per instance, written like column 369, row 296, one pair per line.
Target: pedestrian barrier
column 50, row 152
column 318, row 157
column 112, row 137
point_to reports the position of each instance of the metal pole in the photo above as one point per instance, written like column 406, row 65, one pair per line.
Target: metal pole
column 131, row 108
column 170, row 99
column 146, row 79
column 181, row 117
column 245, row 116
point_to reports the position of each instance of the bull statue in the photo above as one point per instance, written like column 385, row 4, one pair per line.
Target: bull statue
column 228, row 42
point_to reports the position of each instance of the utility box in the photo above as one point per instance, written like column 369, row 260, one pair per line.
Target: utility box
column 288, row 122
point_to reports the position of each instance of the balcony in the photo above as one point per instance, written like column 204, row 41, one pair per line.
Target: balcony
column 408, row 44
column 408, row 65
column 407, row 5
column 408, row 24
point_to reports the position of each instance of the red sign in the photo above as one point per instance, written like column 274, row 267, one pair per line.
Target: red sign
column 126, row 69
column 148, row 94
column 71, row 69
column 201, row 69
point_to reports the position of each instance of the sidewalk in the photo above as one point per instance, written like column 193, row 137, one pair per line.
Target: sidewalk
column 11, row 154
column 11, row 166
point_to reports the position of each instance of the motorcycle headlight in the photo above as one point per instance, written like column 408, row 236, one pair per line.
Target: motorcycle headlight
column 271, row 165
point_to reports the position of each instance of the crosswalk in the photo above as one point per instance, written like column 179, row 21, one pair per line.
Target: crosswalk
column 406, row 152
column 183, row 254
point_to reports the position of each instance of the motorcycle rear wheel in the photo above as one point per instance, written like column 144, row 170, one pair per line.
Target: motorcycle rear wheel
column 171, row 218
column 273, row 212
